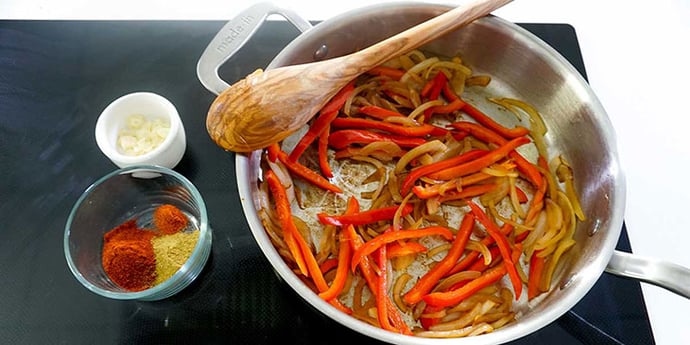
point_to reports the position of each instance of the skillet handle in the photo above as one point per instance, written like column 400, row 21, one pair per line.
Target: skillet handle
column 667, row 275
column 233, row 35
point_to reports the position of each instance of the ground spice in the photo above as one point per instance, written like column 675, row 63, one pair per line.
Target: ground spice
column 137, row 259
column 128, row 256
column 171, row 252
column 169, row 219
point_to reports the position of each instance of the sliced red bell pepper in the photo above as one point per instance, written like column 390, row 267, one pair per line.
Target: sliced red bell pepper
column 393, row 73
column 453, row 297
column 382, row 291
column 427, row 322
column 328, row 265
column 272, row 152
column 397, row 249
column 537, row 202
column 536, row 267
column 378, row 112
column 473, row 256
column 344, row 257
column 502, row 243
column 351, row 122
column 318, row 127
column 469, row 192
column 345, row 137
column 324, row 165
column 481, row 162
column 424, row 170
column 388, row 237
column 522, row 197
column 367, row 270
column 479, row 116
column 306, row 173
column 487, row 135
column 320, row 124
column 364, row 217
column 431, row 278
column 448, row 93
column 437, row 84
column 449, row 108
column 480, row 265
column 337, row 101
column 284, row 213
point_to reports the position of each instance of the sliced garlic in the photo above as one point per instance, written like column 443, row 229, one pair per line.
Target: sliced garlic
column 140, row 135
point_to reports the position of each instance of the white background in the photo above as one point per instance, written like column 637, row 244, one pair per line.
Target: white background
column 636, row 54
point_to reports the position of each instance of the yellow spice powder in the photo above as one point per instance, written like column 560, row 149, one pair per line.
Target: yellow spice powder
column 171, row 253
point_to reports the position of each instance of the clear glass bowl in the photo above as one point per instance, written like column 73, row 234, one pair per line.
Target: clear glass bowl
column 125, row 194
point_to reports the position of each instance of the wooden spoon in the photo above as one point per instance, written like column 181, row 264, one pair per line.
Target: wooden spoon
column 267, row 106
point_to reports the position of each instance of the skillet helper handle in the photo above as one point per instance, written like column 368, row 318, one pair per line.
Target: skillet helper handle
column 233, row 35
column 667, row 275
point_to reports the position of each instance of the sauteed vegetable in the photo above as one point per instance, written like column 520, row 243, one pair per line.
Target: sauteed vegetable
column 407, row 206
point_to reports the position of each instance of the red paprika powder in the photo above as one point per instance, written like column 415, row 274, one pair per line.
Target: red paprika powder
column 169, row 219
column 128, row 256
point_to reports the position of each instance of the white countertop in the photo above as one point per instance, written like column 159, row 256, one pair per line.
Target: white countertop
column 637, row 56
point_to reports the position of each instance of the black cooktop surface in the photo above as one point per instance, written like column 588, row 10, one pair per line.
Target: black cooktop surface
column 55, row 79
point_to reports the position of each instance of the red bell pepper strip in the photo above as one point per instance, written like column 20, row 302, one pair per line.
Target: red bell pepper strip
column 508, row 133
column 318, row 127
column 378, row 112
column 521, row 196
column 481, row 162
column 364, row 217
column 418, row 131
column 434, row 92
column 388, row 315
column 272, row 152
column 536, row 267
column 326, row 115
column 427, row 322
column 307, row 174
column 382, row 291
column 424, row 170
column 469, row 192
column 345, row 137
column 431, row 190
column 449, row 108
column 344, row 256
column 328, row 265
column 487, row 135
column 453, row 297
column 502, row 243
column 393, row 73
column 537, row 202
column 448, row 93
column 324, row 165
column 397, row 249
column 337, row 101
column 367, row 270
column 470, row 259
column 284, row 213
column 431, row 278
column 388, row 237
column 480, row 266
column 426, row 89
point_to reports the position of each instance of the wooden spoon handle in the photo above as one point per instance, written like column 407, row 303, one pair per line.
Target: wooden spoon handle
column 418, row 35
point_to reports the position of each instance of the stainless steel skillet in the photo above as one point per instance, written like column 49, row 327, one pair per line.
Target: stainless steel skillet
column 522, row 66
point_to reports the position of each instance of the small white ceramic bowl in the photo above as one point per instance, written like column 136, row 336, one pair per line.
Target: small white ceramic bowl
column 152, row 106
